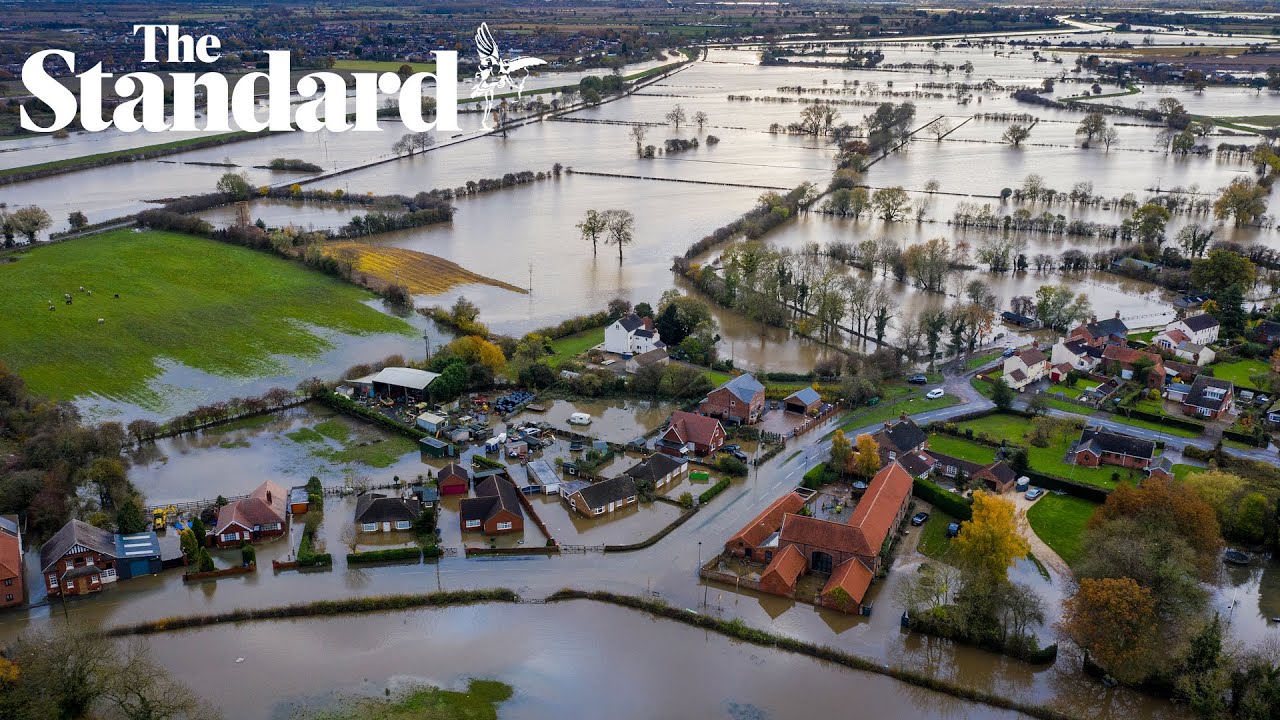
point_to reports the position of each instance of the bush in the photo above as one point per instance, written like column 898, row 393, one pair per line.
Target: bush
column 390, row 554
column 686, row 500
column 713, row 491
column 819, row 475
column 730, row 465
column 248, row 556
column 949, row 503
column 204, row 561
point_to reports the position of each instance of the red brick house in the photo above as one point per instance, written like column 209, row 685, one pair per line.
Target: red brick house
column 261, row 516
column 454, row 479
column 739, row 400
column 899, row 439
column 1124, row 362
column 689, row 433
column 495, row 510
column 1097, row 333
column 1209, row 397
column 11, row 587
column 1099, row 446
column 79, row 559
column 751, row 542
column 780, row 575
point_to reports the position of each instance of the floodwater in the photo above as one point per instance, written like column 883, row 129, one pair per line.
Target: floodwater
column 616, row 420
column 551, row 655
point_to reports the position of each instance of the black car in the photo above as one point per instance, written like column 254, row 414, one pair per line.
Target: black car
column 731, row 447
column 917, row 380
column 738, row 454
column 919, row 518
column 953, row 529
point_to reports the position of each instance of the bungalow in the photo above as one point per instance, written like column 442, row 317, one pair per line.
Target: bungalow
column 657, row 357
column 1125, row 362
column 80, row 558
column 11, row 576
column 1025, row 367
column 1201, row 329
column 376, row 512
column 805, row 401
column 494, row 510
column 1209, row 397
column 1161, row 468
column 900, row 438
column 657, row 470
column 632, row 335
column 739, row 400
column 606, row 496
column 260, row 516
column 1076, row 354
column 953, row 468
column 1099, row 446
column 1112, row 331
column 453, row 479
column 689, row 433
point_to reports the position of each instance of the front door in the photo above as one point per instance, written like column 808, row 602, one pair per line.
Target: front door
column 82, row 585
column 386, row 527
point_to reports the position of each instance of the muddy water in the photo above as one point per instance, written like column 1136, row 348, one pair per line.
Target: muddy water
column 615, row 420
column 551, row 655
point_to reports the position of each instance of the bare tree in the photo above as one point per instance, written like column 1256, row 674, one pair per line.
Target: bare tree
column 593, row 227
column 638, row 133
column 700, row 119
column 621, row 224
column 676, row 115
column 940, row 128
column 1110, row 136
column 350, row 538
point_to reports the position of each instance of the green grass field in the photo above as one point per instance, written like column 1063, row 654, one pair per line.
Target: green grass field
column 380, row 66
column 978, row 361
column 1049, row 460
column 961, row 448
column 218, row 308
column 115, row 156
column 1059, row 521
column 571, row 346
column 891, row 410
column 933, row 537
column 1240, row 371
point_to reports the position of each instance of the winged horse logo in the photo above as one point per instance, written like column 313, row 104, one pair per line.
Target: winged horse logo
column 495, row 73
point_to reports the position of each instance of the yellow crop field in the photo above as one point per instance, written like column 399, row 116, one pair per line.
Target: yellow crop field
column 423, row 274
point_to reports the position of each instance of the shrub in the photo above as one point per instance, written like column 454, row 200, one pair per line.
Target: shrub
column 730, row 465
column 947, row 502
column 686, row 500
column 248, row 556
column 713, row 491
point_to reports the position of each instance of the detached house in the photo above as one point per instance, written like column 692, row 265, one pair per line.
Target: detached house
column 606, row 496
column 11, row 585
column 632, row 335
column 495, row 510
column 1177, row 342
column 1068, row 355
column 899, row 439
column 1209, row 397
column 658, row 470
column 689, row 433
column 80, row 558
column 1201, row 329
column 1112, row 331
column 376, row 512
column 739, row 400
column 1025, row 367
column 1099, row 446
column 261, row 516
column 1125, row 362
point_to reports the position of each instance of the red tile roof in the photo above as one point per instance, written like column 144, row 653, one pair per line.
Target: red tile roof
column 787, row 566
column 1129, row 356
column 824, row 534
column 851, row 576
column 10, row 555
column 690, row 427
column 768, row 521
column 265, row 505
column 879, row 506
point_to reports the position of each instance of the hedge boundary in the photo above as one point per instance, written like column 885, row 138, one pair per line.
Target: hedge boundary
column 738, row 630
column 319, row 608
column 949, row 503
column 708, row 494
column 388, row 555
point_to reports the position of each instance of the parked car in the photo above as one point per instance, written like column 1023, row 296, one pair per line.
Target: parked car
column 1008, row 352
column 953, row 529
column 917, row 379
column 1035, row 493
column 935, row 393
column 919, row 518
column 731, row 447
column 738, row 454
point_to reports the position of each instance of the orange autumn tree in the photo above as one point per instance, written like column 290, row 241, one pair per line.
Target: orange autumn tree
column 1157, row 504
column 865, row 461
column 989, row 543
column 841, row 453
column 1115, row 621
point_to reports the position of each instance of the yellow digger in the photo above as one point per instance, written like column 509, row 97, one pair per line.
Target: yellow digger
column 161, row 517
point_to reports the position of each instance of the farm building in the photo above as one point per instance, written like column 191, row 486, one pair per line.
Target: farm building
column 401, row 383
column 803, row 401
column 435, row 448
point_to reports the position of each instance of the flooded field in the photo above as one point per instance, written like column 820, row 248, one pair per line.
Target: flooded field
column 614, row 420
column 291, row 666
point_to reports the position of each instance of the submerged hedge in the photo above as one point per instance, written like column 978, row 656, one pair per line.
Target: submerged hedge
column 320, row 608
column 739, row 630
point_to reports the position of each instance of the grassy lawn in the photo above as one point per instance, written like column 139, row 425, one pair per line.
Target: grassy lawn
column 571, row 346
column 1072, row 392
column 373, row 447
column 1065, row 406
column 222, row 309
column 1158, row 427
column 961, row 448
column 1059, row 521
column 1240, row 371
column 978, row 361
column 380, row 66
column 1049, row 460
column 129, row 154
column 933, row 537
column 889, row 411
column 479, row 701
column 982, row 386
column 1181, row 471
column 1144, row 336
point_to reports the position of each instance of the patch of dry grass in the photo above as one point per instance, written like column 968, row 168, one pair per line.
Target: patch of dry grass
column 421, row 273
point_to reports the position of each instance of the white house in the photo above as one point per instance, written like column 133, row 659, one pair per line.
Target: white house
column 632, row 335
column 1025, row 367
column 1076, row 353
column 1175, row 340
column 1200, row 329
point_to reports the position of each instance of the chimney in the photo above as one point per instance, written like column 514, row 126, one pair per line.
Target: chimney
column 902, row 417
column 1117, row 314
column 1093, row 319
column 268, row 497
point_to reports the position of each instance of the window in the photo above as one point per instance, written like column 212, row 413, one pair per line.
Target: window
column 8, row 582
column 402, row 524
column 369, row 527
column 8, row 598
column 599, row 511
column 504, row 526
column 473, row 523
column 71, row 585
column 231, row 537
column 270, row 526
column 53, row 580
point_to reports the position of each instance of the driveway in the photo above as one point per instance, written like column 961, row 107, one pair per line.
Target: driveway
column 1043, row 553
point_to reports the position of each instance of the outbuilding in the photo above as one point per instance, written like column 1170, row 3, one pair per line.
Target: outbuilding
column 803, row 401
column 436, row 448
column 402, row 383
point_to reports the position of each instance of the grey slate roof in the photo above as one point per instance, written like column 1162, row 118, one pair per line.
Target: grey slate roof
column 805, row 396
column 1199, row 395
column 1100, row 440
column 598, row 495
column 374, row 507
column 654, row 467
column 631, row 322
column 1110, row 326
column 75, row 533
column 1203, row 321
column 743, row 387
column 903, row 435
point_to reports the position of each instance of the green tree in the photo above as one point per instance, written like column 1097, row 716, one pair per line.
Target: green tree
column 989, row 542
column 1243, row 200
column 1221, row 270
column 1093, row 125
column 130, row 518
column 841, row 451
column 593, row 227
column 1250, row 520
column 1204, row 679
column 30, row 221
column 1001, row 394
column 1149, row 222
column 1016, row 134
column 77, row 220
column 204, row 561
column 891, row 203
column 235, row 185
